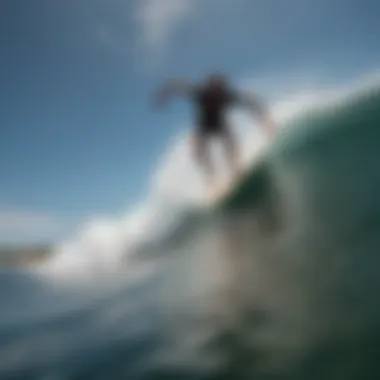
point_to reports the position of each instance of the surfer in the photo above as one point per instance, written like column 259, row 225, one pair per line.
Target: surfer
column 212, row 98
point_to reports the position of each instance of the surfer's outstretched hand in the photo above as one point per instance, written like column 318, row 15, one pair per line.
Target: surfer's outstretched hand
column 172, row 88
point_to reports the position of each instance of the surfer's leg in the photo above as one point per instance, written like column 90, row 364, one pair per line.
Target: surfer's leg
column 232, row 152
column 202, row 155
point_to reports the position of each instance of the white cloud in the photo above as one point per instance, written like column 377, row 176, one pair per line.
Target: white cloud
column 159, row 19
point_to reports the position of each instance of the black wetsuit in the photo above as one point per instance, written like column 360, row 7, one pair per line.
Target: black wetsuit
column 211, row 105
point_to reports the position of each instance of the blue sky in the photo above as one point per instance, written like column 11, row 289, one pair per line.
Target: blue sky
column 78, row 137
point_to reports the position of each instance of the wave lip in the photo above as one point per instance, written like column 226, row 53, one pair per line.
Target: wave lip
column 176, row 190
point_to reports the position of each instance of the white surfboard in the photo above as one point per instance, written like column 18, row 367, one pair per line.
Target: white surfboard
column 223, row 187
column 219, row 190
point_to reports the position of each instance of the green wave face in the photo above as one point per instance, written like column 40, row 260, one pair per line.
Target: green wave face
column 303, row 239
column 288, row 262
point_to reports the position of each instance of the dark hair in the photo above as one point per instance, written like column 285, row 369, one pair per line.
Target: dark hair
column 218, row 78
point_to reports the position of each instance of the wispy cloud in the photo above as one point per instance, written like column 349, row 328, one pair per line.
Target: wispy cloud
column 159, row 19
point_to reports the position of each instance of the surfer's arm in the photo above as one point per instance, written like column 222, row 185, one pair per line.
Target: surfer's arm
column 259, row 110
column 176, row 87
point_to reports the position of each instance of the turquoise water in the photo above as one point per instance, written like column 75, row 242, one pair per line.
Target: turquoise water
column 300, row 240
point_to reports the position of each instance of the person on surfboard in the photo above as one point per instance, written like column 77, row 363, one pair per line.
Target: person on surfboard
column 212, row 98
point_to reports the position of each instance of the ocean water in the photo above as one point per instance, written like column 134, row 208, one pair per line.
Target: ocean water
column 280, row 281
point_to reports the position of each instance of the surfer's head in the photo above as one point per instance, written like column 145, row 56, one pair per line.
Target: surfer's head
column 216, row 81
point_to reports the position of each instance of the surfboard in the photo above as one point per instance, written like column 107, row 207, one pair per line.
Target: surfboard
column 223, row 188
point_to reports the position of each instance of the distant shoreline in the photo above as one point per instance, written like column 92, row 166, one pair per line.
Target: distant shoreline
column 13, row 256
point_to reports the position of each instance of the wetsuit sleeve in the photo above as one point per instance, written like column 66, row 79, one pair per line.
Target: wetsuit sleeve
column 261, row 110
column 195, row 93
column 251, row 101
